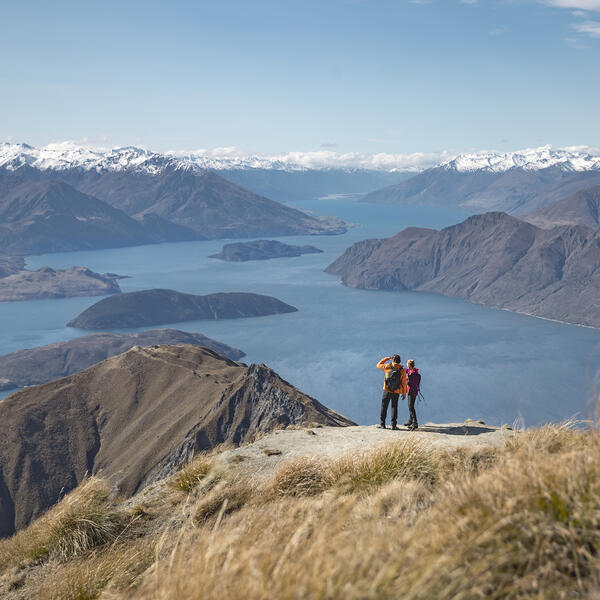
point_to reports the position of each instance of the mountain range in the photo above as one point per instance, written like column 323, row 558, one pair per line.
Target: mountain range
column 129, row 197
column 514, row 182
column 134, row 418
column 492, row 259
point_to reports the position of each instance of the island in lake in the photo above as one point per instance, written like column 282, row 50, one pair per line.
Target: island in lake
column 157, row 307
column 261, row 250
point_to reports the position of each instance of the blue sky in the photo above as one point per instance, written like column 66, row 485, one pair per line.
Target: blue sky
column 278, row 75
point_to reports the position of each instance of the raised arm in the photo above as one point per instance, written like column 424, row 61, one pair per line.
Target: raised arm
column 381, row 363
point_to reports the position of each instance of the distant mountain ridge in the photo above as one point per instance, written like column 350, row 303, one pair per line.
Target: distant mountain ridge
column 169, row 198
column 492, row 259
column 67, row 155
column 512, row 182
column 531, row 159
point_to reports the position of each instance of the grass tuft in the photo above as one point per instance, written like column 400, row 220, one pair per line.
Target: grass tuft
column 83, row 520
column 191, row 475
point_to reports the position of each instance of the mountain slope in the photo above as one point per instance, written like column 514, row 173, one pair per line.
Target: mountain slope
column 490, row 259
column 39, row 365
column 582, row 208
column 516, row 191
column 134, row 418
column 51, row 216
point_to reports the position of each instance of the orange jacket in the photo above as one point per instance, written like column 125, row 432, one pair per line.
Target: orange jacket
column 386, row 366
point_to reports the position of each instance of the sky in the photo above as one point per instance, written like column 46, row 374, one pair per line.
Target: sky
column 393, row 76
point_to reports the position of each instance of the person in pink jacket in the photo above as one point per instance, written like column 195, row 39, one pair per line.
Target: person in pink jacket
column 414, row 383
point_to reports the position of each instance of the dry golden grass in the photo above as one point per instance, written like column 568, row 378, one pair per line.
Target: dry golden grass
column 192, row 474
column 403, row 521
column 83, row 520
column 117, row 567
column 520, row 523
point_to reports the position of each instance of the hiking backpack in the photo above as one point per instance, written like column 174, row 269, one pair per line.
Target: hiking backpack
column 394, row 380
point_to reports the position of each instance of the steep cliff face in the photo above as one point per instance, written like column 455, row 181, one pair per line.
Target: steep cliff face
column 134, row 418
column 490, row 259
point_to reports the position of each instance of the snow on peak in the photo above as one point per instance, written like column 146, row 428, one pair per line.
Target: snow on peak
column 69, row 155
column 574, row 158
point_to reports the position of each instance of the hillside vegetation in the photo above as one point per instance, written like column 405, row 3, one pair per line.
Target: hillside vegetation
column 400, row 521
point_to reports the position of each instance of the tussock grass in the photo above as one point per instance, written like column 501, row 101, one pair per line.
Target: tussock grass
column 410, row 459
column 192, row 474
column 301, row 477
column 402, row 521
column 413, row 523
column 119, row 567
column 225, row 498
column 83, row 520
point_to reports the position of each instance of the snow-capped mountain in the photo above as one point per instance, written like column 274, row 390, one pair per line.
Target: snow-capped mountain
column 68, row 155
column 575, row 159
column 514, row 182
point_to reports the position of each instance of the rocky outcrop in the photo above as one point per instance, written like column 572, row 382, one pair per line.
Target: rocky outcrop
column 56, row 283
column 582, row 208
column 492, row 259
column 46, row 363
column 156, row 307
column 133, row 419
column 261, row 250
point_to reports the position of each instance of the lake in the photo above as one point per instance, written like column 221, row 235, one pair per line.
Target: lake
column 476, row 362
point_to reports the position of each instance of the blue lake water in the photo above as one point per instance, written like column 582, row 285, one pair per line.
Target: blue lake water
column 476, row 362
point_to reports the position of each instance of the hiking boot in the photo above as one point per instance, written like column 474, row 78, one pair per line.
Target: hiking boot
column 382, row 426
column 394, row 427
column 413, row 427
column 408, row 424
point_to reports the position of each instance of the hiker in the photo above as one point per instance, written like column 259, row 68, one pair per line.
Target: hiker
column 414, row 383
column 394, row 384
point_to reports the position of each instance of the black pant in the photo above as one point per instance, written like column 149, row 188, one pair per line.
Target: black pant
column 412, row 413
column 385, row 400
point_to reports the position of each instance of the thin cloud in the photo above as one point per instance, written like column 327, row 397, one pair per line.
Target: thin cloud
column 576, row 4
column 328, row 145
column 591, row 28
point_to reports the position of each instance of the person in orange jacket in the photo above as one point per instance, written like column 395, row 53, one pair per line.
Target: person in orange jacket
column 394, row 384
